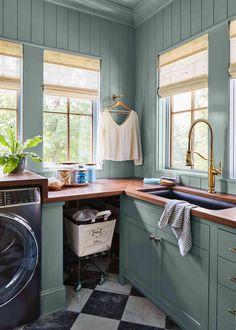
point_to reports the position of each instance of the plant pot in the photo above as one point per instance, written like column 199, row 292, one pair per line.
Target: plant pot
column 20, row 167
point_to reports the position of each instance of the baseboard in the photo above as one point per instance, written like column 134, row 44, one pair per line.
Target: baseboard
column 53, row 300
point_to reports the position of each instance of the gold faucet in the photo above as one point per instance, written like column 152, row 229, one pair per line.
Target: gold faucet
column 212, row 171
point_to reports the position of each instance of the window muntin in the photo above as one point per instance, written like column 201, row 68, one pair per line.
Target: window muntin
column 8, row 109
column 185, row 108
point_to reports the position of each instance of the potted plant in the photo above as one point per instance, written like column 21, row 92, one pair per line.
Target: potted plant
column 14, row 158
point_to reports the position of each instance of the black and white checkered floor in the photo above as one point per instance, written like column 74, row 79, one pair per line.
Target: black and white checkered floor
column 109, row 306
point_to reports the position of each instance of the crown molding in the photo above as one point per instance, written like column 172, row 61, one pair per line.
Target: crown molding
column 115, row 12
column 147, row 9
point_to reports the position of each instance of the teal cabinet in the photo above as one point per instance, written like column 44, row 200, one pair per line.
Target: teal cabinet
column 140, row 259
column 184, row 282
column 176, row 284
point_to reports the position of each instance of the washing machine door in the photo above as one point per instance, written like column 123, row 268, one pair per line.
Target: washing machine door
column 18, row 256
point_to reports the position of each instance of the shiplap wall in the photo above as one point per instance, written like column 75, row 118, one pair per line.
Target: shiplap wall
column 176, row 23
column 37, row 23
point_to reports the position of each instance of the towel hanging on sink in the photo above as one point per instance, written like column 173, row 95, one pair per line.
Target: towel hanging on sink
column 177, row 215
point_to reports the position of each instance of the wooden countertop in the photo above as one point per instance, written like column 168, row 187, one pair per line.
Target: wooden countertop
column 28, row 179
column 136, row 188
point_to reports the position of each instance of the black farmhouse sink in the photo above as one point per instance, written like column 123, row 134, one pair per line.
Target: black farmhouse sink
column 207, row 203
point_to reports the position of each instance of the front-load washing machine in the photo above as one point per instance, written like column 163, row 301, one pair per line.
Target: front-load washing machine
column 20, row 245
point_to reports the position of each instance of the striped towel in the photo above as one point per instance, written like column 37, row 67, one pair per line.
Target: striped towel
column 177, row 214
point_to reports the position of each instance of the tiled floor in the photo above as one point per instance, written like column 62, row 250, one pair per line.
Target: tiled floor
column 110, row 306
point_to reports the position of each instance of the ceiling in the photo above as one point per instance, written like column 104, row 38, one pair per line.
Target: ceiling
column 131, row 12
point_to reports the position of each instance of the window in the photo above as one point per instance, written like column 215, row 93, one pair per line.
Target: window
column 185, row 108
column 183, row 85
column 71, row 95
column 10, row 83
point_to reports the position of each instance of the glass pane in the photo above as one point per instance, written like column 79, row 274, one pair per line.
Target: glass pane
column 81, row 138
column 81, row 106
column 7, row 118
column 200, row 140
column 68, row 76
column 54, row 138
column 55, row 103
column 180, row 128
column 8, row 99
column 201, row 98
column 181, row 102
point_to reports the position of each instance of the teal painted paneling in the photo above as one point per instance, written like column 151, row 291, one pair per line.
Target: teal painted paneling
column 159, row 32
column 220, row 10
column 167, row 26
column 1, row 17
column 37, row 22
column 50, row 25
column 33, row 97
column 62, row 28
column 10, row 19
column 94, row 31
column 231, row 7
column 196, row 19
column 84, row 33
column 24, row 20
column 176, row 21
column 46, row 25
column 73, row 33
column 185, row 19
column 207, row 13
column 219, row 98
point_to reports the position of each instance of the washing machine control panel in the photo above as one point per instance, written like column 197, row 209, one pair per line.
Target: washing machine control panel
column 11, row 197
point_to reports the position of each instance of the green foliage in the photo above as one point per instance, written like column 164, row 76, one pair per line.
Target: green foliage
column 15, row 150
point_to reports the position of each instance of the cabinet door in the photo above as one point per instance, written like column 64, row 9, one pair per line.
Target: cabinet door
column 184, row 282
column 138, row 254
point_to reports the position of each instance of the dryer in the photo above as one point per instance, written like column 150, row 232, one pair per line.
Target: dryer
column 20, row 245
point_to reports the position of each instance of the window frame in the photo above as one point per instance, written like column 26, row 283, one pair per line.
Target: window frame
column 68, row 113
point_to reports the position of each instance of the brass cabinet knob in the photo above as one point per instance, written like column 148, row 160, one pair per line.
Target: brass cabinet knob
column 232, row 311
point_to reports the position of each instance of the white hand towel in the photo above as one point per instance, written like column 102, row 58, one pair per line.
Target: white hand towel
column 177, row 214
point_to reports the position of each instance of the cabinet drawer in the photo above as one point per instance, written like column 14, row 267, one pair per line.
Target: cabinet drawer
column 150, row 214
column 227, row 273
column 227, row 245
column 226, row 303
column 145, row 212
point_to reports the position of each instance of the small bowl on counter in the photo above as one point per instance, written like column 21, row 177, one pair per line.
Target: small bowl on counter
column 54, row 184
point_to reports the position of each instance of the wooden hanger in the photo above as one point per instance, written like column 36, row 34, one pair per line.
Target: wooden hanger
column 119, row 103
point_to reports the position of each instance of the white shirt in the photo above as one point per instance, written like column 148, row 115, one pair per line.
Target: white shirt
column 119, row 142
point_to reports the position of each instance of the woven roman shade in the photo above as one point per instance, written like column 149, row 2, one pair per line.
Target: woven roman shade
column 232, row 67
column 70, row 60
column 184, row 68
column 10, row 49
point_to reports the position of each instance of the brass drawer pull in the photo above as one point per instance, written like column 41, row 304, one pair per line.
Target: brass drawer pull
column 233, row 249
column 232, row 279
column 151, row 237
column 157, row 239
column 232, row 311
